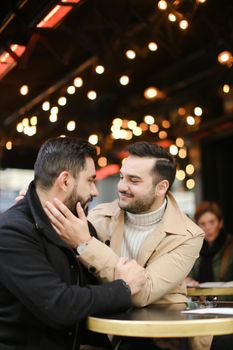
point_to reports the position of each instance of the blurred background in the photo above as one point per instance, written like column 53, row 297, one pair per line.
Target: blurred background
column 116, row 72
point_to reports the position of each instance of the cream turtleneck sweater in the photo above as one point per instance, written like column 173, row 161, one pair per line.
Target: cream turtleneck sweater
column 137, row 228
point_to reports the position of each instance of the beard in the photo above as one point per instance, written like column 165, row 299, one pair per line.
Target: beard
column 73, row 199
column 139, row 205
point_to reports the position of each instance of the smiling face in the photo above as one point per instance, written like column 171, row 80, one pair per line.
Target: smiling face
column 136, row 187
column 84, row 187
column 211, row 225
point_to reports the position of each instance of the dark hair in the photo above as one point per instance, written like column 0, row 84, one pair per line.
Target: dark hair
column 59, row 154
column 205, row 207
column 165, row 166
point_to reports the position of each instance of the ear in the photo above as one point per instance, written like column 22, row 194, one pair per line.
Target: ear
column 161, row 188
column 63, row 181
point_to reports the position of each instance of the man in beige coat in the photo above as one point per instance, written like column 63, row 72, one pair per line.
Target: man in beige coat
column 145, row 224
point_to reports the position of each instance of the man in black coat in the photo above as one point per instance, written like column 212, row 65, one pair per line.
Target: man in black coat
column 45, row 294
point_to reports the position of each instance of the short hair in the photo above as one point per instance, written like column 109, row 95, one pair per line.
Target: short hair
column 207, row 206
column 164, row 167
column 60, row 154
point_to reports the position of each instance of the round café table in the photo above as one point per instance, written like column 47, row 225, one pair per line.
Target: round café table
column 156, row 321
column 216, row 291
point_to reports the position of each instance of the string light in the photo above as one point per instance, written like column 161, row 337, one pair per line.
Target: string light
column 171, row 17
column 24, row 90
column 180, row 175
column 162, row 5
column 71, row 125
column 152, row 46
column 190, row 120
column 150, row 92
column 190, row 184
column 62, row 101
column 130, row 54
column 226, row 88
column 99, row 69
column 102, row 161
column 46, row 106
column 9, row 145
column 91, row 95
column 183, row 24
column 124, row 80
column 189, row 169
column 149, row 119
column 93, row 139
column 173, row 149
column 198, row 111
column 71, row 89
column 78, row 82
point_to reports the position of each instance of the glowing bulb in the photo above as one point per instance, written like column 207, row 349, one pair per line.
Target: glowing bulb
column 150, row 92
column 54, row 110
column 62, row 101
column 190, row 120
column 149, row 119
column 24, row 90
column 33, row 120
column 71, row 89
column 124, row 80
column 162, row 5
column 152, row 46
column 179, row 142
column 154, row 128
column 173, row 150
column 180, row 175
column 102, row 161
column 130, row 54
column 9, row 145
column 190, row 184
column 78, row 82
column 189, row 169
column 226, row 88
column 171, row 17
column 93, row 139
column 99, row 69
column 19, row 127
column 183, row 24
column 53, row 118
column 198, row 111
column 46, row 106
column 91, row 95
column 71, row 125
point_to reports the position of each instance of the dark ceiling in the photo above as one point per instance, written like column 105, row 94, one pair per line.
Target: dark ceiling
column 184, row 68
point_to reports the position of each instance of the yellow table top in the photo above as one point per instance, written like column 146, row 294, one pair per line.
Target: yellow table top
column 162, row 321
column 197, row 291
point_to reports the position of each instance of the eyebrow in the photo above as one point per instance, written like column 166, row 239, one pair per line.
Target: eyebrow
column 131, row 175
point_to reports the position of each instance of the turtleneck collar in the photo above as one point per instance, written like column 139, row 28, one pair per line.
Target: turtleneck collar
column 147, row 219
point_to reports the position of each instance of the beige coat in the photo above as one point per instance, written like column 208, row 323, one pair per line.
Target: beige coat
column 168, row 254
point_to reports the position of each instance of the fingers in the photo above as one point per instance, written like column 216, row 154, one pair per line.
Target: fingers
column 62, row 208
column 121, row 261
column 80, row 212
column 54, row 215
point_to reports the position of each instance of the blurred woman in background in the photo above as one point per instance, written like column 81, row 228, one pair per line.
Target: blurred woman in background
column 216, row 256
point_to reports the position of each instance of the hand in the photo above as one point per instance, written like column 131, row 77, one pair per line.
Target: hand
column 20, row 196
column 71, row 229
column 190, row 282
column 132, row 273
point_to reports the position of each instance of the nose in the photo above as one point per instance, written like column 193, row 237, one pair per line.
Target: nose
column 94, row 190
column 122, row 185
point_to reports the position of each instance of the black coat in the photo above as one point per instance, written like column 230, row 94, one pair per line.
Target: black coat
column 44, row 296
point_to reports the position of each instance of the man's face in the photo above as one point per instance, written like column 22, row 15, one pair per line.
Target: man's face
column 211, row 225
column 84, row 187
column 136, row 189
